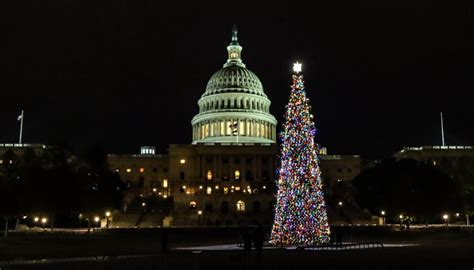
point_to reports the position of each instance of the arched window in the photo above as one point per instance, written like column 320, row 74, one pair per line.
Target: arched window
column 209, row 175
column 240, row 206
column 192, row 205
column 237, row 175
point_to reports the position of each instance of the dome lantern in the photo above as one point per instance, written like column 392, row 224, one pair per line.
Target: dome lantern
column 234, row 51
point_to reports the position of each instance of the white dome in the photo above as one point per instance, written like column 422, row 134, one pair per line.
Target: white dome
column 234, row 107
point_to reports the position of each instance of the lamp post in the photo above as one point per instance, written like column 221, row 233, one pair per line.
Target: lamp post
column 43, row 221
column 383, row 217
column 446, row 219
column 107, row 215
column 200, row 217
column 401, row 221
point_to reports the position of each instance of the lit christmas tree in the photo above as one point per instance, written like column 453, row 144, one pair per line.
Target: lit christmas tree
column 300, row 210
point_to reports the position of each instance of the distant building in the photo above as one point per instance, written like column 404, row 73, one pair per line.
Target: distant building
column 19, row 149
column 435, row 154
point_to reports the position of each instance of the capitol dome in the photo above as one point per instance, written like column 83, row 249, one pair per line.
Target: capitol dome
column 234, row 107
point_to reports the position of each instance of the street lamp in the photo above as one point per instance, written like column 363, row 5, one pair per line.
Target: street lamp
column 383, row 217
column 107, row 215
column 36, row 219
column 446, row 219
column 200, row 217
column 43, row 221
column 340, row 203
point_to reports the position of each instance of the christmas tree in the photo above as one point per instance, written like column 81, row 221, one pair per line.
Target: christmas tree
column 300, row 210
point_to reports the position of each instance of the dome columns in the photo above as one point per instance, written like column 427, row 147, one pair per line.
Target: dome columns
column 253, row 129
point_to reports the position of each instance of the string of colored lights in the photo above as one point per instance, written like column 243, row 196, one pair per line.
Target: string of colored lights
column 300, row 210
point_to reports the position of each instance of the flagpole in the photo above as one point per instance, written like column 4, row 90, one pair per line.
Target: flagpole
column 442, row 128
column 21, row 125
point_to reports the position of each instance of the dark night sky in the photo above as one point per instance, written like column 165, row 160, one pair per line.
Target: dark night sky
column 129, row 73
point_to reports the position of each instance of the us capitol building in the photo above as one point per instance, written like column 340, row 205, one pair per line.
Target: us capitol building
column 227, row 175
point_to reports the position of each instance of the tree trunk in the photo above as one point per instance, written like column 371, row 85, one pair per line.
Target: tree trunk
column 5, row 233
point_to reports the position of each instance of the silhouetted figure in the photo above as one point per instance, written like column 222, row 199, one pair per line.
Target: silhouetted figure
column 258, row 239
column 164, row 241
column 247, row 240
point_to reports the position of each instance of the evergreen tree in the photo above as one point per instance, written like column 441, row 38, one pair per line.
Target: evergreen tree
column 300, row 210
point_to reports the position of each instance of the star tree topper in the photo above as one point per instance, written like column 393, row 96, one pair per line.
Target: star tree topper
column 297, row 67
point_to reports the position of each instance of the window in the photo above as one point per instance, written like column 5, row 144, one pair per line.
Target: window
column 129, row 170
column 182, row 161
column 165, row 169
column 209, row 190
column 142, row 170
column 225, row 161
column 226, row 190
column 209, row 175
column 237, row 161
column 192, row 205
column 155, row 169
column 237, row 175
column 141, row 181
column 1, row 161
column 165, row 183
column 181, row 175
column 350, row 170
column 339, row 170
column 240, row 206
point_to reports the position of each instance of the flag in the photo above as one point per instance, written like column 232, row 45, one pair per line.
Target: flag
column 233, row 128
